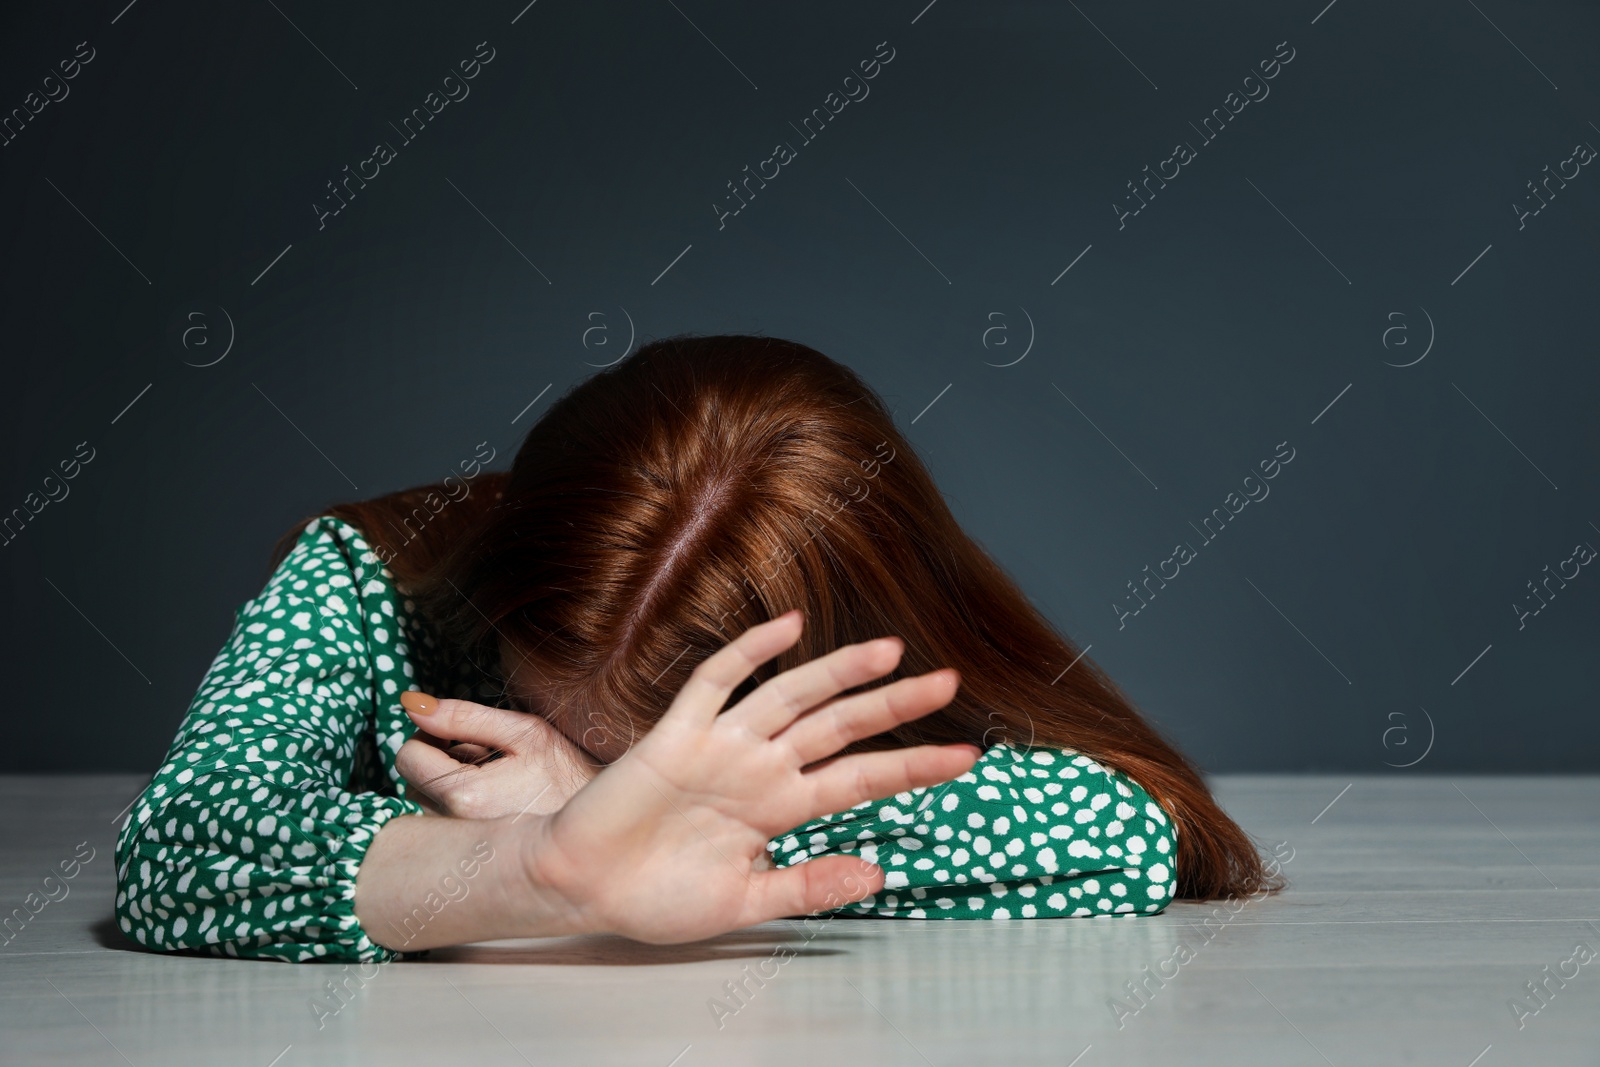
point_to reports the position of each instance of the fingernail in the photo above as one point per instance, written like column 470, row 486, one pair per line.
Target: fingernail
column 417, row 703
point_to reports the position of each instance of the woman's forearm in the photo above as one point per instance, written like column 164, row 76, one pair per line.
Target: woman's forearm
column 430, row 881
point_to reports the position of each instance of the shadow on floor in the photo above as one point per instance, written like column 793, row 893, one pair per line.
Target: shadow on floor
column 611, row 951
column 598, row 950
column 107, row 934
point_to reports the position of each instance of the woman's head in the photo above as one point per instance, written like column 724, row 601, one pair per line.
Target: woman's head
column 699, row 487
column 705, row 484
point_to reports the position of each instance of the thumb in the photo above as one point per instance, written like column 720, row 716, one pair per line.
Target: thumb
column 824, row 883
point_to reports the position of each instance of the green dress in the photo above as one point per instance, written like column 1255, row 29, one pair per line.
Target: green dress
column 248, row 839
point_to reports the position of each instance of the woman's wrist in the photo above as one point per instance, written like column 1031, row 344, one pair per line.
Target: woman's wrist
column 432, row 881
column 551, row 893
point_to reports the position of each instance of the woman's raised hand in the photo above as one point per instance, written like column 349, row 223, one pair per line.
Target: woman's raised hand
column 668, row 843
column 663, row 845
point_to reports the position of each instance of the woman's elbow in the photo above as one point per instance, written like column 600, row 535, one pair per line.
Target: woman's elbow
column 147, row 907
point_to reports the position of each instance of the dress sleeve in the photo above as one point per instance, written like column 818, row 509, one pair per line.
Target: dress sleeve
column 248, row 839
column 1027, row 833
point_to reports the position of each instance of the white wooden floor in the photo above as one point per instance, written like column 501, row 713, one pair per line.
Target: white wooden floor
column 1420, row 908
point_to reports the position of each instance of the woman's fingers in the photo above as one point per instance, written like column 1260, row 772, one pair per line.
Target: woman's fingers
column 450, row 786
column 462, row 720
column 847, row 781
column 836, row 724
column 781, row 700
column 714, row 680
column 421, row 764
column 823, row 883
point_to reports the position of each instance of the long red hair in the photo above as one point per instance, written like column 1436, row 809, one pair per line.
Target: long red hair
column 705, row 484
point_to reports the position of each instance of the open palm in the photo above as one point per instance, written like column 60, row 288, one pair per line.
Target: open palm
column 663, row 845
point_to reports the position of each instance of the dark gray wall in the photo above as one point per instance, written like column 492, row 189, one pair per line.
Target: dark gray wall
column 1368, row 200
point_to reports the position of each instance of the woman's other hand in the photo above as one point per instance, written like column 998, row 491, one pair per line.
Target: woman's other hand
column 450, row 765
column 666, row 844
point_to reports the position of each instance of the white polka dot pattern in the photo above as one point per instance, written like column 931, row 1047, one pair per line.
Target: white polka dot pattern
column 248, row 838
column 1027, row 833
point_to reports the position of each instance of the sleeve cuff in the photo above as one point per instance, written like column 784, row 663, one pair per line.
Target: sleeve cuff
column 363, row 817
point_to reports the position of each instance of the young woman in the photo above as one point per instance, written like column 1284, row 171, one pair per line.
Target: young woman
column 641, row 684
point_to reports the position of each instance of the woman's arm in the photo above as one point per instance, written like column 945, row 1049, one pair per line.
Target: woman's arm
column 248, row 838
column 663, row 845
column 1026, row 833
